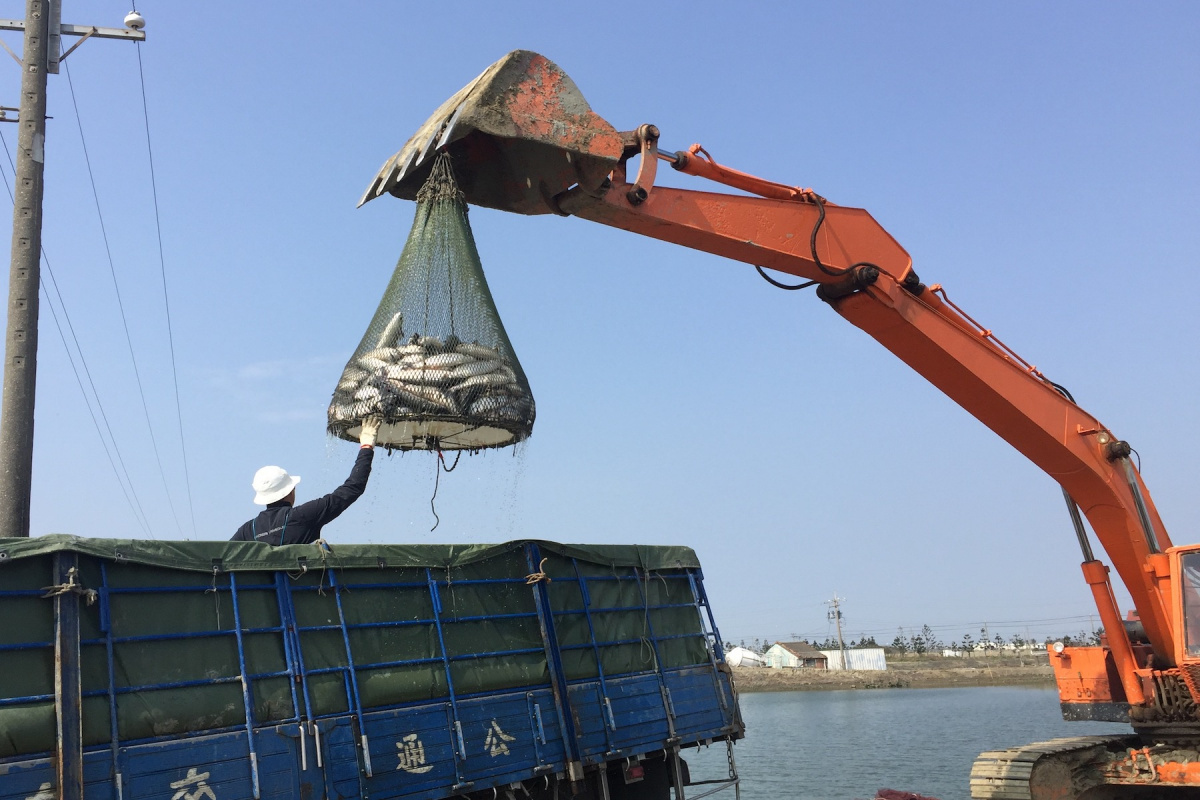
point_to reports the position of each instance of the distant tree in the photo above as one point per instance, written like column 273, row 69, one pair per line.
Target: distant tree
column 1019, row 641
column 998, row 642
column 1079, row 639
column 931, row 640
column 899, row 644
column 967, row 645
column 1096, row 634
column 917, row 643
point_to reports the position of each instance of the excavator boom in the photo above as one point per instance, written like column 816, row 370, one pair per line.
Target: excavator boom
column 523, row 139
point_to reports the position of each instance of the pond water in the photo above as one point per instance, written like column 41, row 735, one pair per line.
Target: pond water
column 843, row 745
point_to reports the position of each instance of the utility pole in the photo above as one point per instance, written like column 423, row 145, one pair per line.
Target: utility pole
column 43, row 31
column 835, row 613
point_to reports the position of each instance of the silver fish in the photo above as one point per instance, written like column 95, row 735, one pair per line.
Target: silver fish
column 434, row 395
column 431, row 343
column 410, row 349
column 473, row 368
column 446, row 360
column 347, row 385
column 382, row 353
column 341, row 412
column 413, row 361
column 496, row 378
column 394, row 330
column 508, row 414
column 427, row 377
column 414, row 403
column 354, row 374
column 367, row 393
column 371, row 363
column 477, row 350
column 365, row 408
column 485, row 406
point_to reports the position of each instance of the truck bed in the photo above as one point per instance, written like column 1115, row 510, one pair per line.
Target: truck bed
column 381, row 671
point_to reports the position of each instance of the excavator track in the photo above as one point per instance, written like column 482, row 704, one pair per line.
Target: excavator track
column 1086, row 767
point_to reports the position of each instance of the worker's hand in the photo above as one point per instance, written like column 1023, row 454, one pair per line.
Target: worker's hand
column 370, row 429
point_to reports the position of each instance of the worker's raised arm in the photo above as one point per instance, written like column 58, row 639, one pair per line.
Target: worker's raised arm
column 314, row 514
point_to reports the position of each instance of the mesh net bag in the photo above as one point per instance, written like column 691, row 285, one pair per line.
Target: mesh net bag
column 435, row 364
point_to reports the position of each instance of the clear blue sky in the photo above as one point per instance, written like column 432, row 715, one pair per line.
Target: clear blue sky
column 1039, row 160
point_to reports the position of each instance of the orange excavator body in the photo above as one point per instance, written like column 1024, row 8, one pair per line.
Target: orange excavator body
column 523, row 139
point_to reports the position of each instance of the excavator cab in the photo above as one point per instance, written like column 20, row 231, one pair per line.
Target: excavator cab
column 1189, row 604
column 1088, row 681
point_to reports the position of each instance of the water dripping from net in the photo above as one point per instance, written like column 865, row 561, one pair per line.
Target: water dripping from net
column 516, row 478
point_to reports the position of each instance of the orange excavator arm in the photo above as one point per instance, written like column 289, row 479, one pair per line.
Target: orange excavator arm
column 523, row 139
column 864, row 275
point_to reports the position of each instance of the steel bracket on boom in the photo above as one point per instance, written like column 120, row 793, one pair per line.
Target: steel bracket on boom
column 646, row 142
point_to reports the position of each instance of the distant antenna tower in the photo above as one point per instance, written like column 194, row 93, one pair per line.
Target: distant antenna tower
column 835, row 614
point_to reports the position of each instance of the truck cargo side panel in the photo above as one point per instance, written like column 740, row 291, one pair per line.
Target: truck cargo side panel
column 236, row 670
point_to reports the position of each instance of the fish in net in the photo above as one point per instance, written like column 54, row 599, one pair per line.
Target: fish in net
column 435, row 365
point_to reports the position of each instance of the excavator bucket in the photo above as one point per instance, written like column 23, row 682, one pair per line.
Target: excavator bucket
column 518, row 135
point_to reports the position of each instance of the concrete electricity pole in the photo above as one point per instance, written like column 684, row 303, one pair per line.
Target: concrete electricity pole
column 835, row 614
column 41, row 55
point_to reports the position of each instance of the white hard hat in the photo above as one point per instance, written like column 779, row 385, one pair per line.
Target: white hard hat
column 273, row 483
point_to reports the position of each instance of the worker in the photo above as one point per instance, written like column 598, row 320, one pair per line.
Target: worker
column 284, row 522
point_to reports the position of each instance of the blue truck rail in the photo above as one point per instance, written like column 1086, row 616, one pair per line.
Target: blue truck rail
column 320, row 681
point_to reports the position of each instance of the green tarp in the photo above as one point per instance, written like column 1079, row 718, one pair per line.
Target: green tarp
column 251, row 556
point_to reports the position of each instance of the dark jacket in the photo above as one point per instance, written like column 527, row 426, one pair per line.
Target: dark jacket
column 280, row 523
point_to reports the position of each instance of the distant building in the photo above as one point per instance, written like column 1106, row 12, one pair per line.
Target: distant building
column 795, row 655
column 743, row 657
column 863, row 658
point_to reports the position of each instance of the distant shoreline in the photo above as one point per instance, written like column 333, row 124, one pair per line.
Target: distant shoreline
column 919, row 675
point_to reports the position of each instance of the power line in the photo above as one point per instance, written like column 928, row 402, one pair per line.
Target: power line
column 135, row 505
column 120, row 305
column 187, row 480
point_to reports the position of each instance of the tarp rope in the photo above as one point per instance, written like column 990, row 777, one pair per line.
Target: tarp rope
column 539, row 576
column 72, row 586
column 216, row 593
